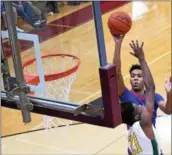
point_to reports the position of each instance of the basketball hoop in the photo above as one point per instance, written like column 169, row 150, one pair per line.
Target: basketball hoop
column 59, row 73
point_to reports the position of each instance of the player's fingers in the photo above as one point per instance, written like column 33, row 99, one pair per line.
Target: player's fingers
column 132, row 53
column 133, row 43
column 142, row 44
column 131, row 46
column 166, row 82
column 137, row 43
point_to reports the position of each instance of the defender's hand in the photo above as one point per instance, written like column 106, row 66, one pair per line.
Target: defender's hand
column 168, row 85
column 137, row 50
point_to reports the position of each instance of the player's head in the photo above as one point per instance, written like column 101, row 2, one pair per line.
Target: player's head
column 136, row 78
column 130, row 112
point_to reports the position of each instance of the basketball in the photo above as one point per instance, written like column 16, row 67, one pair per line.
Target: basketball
column 119, row 23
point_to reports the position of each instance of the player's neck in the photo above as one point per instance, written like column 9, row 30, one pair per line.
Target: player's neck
column 139, row 92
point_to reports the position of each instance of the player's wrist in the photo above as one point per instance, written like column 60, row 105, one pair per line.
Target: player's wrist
column 141, row 58
column 169, row 92
column 118, row 43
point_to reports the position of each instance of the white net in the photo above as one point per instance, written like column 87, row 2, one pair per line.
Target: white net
column 58, row 89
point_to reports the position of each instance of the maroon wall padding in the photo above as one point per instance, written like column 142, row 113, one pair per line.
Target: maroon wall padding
column 110, row 5
column 109, row 87
column 72, row 20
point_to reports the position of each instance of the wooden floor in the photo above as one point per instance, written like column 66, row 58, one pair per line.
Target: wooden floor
column 153, row 27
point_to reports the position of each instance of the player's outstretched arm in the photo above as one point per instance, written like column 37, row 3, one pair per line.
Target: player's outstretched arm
column 146, row 116
column 117, row 61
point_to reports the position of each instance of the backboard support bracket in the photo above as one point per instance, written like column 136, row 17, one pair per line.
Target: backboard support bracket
column 103, row 111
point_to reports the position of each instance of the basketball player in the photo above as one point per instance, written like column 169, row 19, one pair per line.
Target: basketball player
column 142, row 134
column 137, row 93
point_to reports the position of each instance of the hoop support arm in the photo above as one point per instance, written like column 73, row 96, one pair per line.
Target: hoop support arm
column 89, row 114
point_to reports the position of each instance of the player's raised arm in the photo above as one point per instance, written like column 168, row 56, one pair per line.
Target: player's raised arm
column 117, row 62
column 119, row 24
column 146, row 116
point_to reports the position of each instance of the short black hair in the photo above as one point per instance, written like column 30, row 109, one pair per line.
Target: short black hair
column 127, row 112
column 135, row 66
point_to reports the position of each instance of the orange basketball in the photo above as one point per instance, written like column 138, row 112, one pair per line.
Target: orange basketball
column 119, row 23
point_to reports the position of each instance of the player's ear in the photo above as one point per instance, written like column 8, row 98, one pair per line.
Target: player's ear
column 137, row 117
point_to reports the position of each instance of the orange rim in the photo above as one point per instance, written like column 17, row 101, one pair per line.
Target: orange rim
column 34, row 79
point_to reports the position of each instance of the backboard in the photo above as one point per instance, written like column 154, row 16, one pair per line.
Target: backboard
column 91, row 94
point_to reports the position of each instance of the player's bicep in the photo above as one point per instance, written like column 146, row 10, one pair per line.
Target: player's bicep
column 160, row 102
column 150, row 101
column 146, row 118
column 162, row 105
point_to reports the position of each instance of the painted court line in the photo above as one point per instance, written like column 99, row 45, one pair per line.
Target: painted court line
column 58, row 25
column 113, row 142
column 46, row 146
column 80, row 92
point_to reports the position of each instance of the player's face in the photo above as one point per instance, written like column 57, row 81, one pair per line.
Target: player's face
column 136, row 80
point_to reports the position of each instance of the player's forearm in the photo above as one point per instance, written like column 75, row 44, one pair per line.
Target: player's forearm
column 147, row 76
column 168, row 107
column 149, row 85
column 117, row 58
column 117, row 62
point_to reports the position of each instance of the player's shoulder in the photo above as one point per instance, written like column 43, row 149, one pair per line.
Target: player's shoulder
column 126, row 91
column 158, row 96
column 136, row 124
